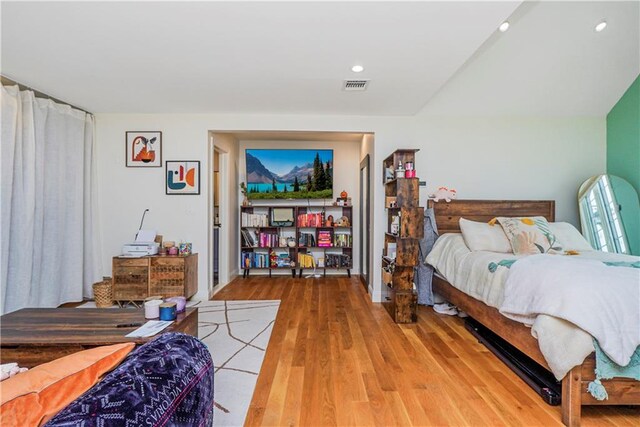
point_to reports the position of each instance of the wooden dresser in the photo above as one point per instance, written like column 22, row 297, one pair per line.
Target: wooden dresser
column 134, row 279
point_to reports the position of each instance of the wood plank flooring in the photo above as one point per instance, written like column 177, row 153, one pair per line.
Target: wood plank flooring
column 335, row 358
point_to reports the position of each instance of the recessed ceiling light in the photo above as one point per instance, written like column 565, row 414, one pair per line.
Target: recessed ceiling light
column 601, row 26
column 504, row 26
column 357, row 68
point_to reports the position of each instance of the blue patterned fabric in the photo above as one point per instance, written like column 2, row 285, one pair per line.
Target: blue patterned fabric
column 504, row 263
column 607, row 369
column 165, row 382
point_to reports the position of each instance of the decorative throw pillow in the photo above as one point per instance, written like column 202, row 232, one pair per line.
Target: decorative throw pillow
column 480, row 236
column 569, row 237
column 31, row 398
column 530, row 235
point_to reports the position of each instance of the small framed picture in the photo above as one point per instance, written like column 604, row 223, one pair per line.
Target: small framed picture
column 143, row 149
column 182, row 177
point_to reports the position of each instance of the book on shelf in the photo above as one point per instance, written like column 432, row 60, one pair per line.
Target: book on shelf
column 254, row 260
column 248, row 238
column 342, row 240
column 307, row 239
column 269, row 240
column 254, row 220
column 337, row 260
column 324, row 238
column 282, row 259
column 391, row 250
column 306, row 260
column 311, row 220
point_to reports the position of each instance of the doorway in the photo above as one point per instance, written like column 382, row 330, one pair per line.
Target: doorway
column 219, row 211
column 365, row 182
column 216, row 217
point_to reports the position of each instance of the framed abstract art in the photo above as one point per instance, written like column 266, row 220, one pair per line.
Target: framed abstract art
column 143, row 149
column 182, row 177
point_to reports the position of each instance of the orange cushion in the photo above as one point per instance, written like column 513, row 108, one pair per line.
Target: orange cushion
column 33, row 397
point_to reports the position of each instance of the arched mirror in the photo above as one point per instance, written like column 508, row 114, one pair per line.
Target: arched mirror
column 610, row 214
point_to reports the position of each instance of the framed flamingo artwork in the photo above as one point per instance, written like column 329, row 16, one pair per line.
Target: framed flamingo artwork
column 143, row 149
column 182, row 177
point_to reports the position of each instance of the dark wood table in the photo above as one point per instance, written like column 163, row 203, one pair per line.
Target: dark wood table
column 32, row 336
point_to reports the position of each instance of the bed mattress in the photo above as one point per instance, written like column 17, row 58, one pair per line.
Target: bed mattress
column 469, row 271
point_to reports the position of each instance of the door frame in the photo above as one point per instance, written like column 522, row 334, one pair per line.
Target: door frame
column 223, row 217
column 365, row 222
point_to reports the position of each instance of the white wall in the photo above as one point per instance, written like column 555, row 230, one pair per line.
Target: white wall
column 346, row 158
column 493, row 158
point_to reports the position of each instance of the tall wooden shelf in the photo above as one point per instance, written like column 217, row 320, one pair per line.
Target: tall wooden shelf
column 405, row 228
column 335, row 250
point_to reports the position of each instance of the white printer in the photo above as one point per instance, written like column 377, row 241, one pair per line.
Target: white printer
column 144, row 244
column 139, row 249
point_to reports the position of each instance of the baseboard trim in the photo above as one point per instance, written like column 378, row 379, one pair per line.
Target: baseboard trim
column 232, row 277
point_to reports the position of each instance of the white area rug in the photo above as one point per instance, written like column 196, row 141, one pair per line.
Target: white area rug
column 237, row 334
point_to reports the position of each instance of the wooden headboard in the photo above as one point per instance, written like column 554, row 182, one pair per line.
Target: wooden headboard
column 448, row 214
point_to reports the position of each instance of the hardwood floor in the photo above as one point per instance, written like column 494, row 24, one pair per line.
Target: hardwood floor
column 335, row 358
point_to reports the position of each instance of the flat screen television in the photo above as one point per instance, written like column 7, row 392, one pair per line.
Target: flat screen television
column 289, row 174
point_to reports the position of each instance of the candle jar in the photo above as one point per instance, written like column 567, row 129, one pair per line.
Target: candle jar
column 185, row 249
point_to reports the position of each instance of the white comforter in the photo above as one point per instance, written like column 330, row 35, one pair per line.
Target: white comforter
column 601, row 300
column 562, row 343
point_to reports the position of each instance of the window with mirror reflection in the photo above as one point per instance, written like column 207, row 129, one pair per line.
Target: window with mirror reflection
column 609, row 210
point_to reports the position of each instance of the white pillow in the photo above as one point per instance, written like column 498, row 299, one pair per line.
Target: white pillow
column 569, row 237
column 480, row 236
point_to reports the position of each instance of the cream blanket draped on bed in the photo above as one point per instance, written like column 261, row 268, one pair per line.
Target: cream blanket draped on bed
column 600, row 299
column 562, row 343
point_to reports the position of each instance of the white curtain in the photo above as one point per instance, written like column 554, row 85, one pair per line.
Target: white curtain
column 50, row 237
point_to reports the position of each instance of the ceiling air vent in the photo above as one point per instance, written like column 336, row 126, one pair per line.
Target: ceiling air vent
column 355, row 85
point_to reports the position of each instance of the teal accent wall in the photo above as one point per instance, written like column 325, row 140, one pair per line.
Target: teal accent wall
column 623, row 136
column 623, row 152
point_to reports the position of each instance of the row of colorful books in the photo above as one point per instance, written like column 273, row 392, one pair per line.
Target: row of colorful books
column 270, row 240
column 338, row 260
column 328, row 261
column 255, row 260
column 324, row 240
column 342, row 240
column 307, row 239
column 311, row 220
column 253, row 239
column 264, row 260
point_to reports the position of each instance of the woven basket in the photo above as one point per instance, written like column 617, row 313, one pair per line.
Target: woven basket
column 103, row 293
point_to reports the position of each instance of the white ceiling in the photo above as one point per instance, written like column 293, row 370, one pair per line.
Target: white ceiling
column 551, row 62
column 292, row 57
column 287, row 57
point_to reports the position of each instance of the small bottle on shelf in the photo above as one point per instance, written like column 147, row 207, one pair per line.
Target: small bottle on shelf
column 400, row 170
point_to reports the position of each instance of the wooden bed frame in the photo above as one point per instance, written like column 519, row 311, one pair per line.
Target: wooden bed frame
column 574, row 384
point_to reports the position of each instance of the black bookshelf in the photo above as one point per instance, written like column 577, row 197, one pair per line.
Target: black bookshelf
column 320, row 232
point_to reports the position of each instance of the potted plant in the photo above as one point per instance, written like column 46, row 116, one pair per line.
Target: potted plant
column 245, row 192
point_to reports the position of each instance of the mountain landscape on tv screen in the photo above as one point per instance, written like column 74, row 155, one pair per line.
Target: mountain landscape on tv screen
column 303, row 174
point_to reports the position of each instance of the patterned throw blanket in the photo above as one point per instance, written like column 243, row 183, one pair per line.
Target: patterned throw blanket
column 166, row 382
column 605, row 367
